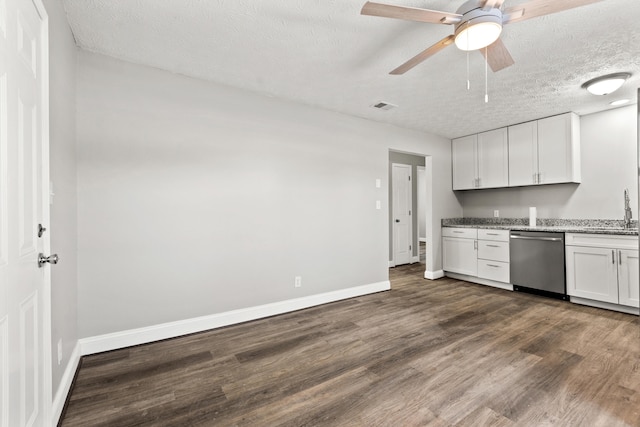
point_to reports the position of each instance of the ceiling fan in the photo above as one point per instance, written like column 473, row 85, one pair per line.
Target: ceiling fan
column 477, row 25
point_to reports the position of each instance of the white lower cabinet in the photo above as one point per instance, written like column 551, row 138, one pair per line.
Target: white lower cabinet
column 592, row 273
column 493, row 255
column 628, row 278
column 459, row 247
column 603, row 268
column 482, row 254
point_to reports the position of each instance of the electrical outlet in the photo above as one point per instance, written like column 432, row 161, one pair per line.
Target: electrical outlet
column 298, row 282
column 60, row 351
column 496, row 213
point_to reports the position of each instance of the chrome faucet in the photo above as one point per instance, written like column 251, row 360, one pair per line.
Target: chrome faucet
column 627, row 209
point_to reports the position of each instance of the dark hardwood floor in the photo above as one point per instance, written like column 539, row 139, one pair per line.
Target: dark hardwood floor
column 441, row 353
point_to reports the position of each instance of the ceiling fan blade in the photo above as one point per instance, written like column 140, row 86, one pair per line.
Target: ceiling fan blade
column 409, row 13
column 432, row 50
column 497, row 56
column 535, row 8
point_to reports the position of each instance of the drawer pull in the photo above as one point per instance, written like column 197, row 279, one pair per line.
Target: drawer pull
column 493, row 246
column 492, row 234
column 458, row 232
column 493, row 265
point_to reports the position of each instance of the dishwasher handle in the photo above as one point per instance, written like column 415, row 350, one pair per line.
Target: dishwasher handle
column 546, row 239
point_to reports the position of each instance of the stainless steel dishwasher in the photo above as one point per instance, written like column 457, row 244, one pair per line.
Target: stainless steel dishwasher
column 537, row 263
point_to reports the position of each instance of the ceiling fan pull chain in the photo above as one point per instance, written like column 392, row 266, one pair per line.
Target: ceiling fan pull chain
column 468, row 79
column 486, row 72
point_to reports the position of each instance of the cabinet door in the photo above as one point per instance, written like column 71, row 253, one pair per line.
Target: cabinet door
column 459, row 256
column 592, row 273
column 628, row 280
column 523, row 154
column 493, row 159
column 464, row 163
column 558, row 149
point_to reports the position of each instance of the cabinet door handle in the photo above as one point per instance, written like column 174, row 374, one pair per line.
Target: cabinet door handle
column 535, row 178
column 613, row 256
column 619, row 257
column 475, row 244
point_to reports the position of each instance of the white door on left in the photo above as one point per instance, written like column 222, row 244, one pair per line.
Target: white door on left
column 25, row 385
column 401, row 211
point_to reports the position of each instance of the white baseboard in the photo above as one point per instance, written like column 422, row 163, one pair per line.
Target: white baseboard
column 65, row 385
column 392, row 264
column 479, row 281
column 116, row 340
column 415, row 259
column 433, row 275
column 605, row 305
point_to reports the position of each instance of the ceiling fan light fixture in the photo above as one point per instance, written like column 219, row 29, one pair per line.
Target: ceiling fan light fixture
column 605, row 85
column 478, row 28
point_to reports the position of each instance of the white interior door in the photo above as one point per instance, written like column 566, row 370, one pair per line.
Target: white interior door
column 25, row 387
column 401, row 202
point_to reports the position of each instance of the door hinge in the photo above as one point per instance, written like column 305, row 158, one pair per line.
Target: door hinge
column 409, row 213
column 409, row 178
column 410, row 248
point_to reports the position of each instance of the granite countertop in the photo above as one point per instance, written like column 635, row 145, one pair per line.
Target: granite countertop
column 592, row 226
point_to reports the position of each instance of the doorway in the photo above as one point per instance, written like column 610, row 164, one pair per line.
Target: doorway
column 421, row 209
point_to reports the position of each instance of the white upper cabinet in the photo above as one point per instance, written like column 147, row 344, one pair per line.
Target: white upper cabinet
column 481, row 161
column 545, row 151
column 464, row 162
column 523, row 154
column 559, row 149
column 493, row 159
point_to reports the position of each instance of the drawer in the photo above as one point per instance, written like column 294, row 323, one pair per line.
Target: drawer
column 493, row 270
column 601, row 240
column 466, row 233
column 493, row 251
column 498, row 235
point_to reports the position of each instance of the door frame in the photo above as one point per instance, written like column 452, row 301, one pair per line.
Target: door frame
column 430, row 260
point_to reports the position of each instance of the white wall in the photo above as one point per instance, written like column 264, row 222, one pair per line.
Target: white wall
column 195, row 198
column 608, row 159
column 63, row 226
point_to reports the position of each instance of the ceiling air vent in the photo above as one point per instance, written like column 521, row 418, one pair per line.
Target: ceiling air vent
column 384, row 106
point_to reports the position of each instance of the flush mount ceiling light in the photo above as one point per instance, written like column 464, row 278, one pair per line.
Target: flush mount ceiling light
column 619, row 102
column 605, row 85
column 478, row 28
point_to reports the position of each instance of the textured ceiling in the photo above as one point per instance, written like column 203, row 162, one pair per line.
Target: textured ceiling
column 324, row 53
